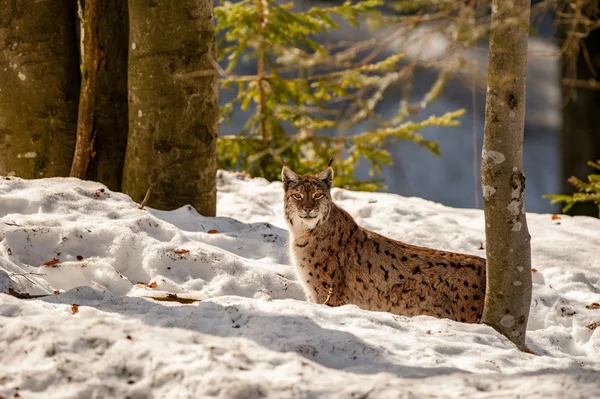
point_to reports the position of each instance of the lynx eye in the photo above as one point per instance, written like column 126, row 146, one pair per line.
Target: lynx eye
column 318, row 196
column 297, row 197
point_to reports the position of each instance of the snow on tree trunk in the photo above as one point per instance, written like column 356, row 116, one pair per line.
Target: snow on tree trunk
column 39, row 87
column 173, row 104
column 508, row 251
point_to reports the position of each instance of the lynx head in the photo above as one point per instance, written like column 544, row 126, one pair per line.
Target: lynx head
column 307, row 199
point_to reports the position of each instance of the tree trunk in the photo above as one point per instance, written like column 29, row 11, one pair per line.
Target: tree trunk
column 39, row 87
column 110, row 110
column 173, row 104
column 508, row 295
column 580, row 131
column 92, row 55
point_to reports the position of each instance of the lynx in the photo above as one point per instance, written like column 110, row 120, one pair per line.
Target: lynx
column 339, row 262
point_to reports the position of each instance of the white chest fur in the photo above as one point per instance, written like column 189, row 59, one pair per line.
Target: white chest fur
column 296, row 254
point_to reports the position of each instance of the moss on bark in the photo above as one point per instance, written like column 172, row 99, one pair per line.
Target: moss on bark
column 173, row 104
column 39, row 87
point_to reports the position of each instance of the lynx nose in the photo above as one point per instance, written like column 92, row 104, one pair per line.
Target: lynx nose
column 308, row 213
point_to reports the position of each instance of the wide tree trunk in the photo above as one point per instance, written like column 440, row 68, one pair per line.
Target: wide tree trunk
column 110, row 110
column 580, row 131
column 508, row 252
column 39, row 87
column 173, row 104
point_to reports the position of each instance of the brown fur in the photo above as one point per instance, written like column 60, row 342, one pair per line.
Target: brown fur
column 339, row 262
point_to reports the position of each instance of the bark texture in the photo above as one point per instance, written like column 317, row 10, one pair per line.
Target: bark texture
column 508, row 251
column 39, row 87
column 110, row 109
column 173, row 104
column 92, row 55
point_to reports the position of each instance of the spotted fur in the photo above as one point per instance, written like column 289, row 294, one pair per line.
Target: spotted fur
column 339, row 262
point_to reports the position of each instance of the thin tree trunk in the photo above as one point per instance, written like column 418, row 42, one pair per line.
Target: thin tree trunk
column 85, row 123
column 39, row 87
column 110, row 107
column 508, row 295
column 173, row 104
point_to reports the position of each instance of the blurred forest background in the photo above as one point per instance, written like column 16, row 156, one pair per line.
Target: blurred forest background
column 394, row 90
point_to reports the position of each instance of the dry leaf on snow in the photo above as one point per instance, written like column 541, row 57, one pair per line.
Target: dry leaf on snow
column 74, row 308
column 51, row 262
column 152, row 284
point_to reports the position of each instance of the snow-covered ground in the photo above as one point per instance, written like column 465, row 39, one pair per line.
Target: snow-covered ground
column 252, row 335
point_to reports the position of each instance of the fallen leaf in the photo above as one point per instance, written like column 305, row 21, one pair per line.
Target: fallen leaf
column 79, row 257
column 555, row 217
column 213, row 231
column 592, row 326
column 533, row 270
column 594, row 305
column 481, row 245
column 174, row 298
column 182, row 251
column 527, row 350
column 56, row 292
column 51, row 262
column 129, row 337
column 98, row 193
column 152, row 284
column 74, row 308
column 571, row 314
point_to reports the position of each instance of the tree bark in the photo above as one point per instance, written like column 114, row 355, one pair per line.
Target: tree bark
column 39, row 87
column 173, row 104
column 508, row 252
column 110, row 108
column 84, row 145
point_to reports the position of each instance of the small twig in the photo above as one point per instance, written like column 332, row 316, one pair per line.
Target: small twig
column 19, row 295
column 13, row 224
column 26, row 274
column 146, row 198
column 581, row 83
column 328, row 295
column 173, row 298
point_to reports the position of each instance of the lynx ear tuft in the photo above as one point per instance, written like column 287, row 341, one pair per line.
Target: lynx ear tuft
column 288, row 176
column 326, row 177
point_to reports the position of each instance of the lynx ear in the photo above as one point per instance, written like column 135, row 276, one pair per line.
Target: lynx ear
column 326, row 177
column 288, row 176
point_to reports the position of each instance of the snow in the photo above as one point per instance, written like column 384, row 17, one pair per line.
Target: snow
column 252, row 335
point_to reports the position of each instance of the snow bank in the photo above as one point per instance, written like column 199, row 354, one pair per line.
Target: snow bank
column 252, row 334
